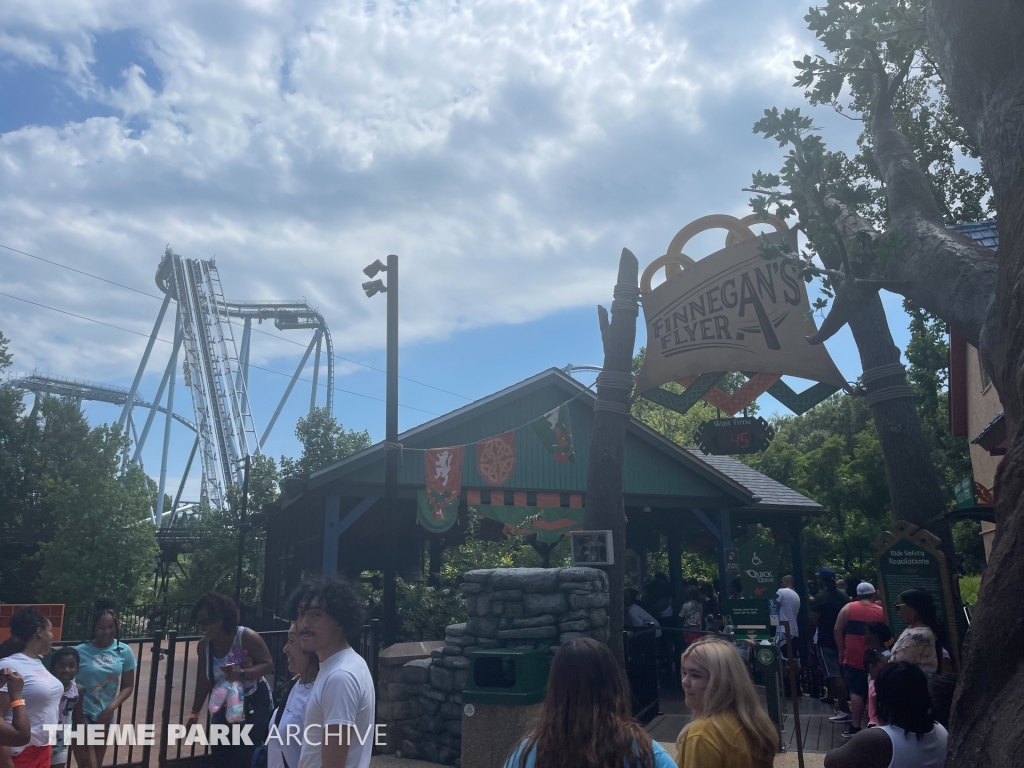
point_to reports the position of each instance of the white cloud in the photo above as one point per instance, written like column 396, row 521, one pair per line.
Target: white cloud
column 506, row 150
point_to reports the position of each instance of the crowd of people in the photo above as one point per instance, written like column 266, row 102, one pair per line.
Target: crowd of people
column 585, row 718
column 325, row 718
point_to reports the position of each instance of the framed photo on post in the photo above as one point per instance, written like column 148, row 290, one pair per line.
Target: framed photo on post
column 592, row 548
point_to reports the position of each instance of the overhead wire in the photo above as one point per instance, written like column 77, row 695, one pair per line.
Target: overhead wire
column 234, row 323
column 168, row 341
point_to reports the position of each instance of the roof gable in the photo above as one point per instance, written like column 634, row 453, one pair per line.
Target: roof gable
column 654, row 465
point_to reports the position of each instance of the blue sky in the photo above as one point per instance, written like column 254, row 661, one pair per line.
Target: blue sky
column 505, row 150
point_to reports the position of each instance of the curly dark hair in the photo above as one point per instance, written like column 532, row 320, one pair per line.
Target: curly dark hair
column 220, row 607
column 902, row 698
column 337, row 597
column 61, row 653
column 24, row 626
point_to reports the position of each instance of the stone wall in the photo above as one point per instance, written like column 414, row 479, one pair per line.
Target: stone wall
column 421, row 701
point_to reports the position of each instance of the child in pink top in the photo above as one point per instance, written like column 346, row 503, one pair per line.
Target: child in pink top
column 874, row 661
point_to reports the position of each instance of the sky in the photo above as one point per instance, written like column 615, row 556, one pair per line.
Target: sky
column 505, row 150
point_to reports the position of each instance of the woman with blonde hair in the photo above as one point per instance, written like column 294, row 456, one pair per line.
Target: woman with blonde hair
column 729, row 729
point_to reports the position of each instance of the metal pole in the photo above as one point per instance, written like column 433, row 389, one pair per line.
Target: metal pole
column 142, row 365
column 184, row 477
column 167, row 427
column 794, row 692
column 291, row 386
column 242, row 515
column 391, row 455
column 316, row 376
column 168, row 373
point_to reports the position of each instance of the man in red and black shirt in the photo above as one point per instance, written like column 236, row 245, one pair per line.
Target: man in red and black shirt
column 851, row 625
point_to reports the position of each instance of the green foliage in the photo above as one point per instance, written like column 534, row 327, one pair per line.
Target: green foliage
column 425, row 611
column 74, row 525
column 969, row 586
column 103, row 541
column 324, row 441
column 214, row 566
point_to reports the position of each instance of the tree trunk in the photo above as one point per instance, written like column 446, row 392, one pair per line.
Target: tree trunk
column 604, row 506
column 979, row 52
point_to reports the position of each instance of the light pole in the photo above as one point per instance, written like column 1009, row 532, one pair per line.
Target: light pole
column 391, row 447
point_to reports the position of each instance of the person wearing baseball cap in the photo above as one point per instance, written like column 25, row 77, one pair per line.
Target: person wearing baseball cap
column 851, row 625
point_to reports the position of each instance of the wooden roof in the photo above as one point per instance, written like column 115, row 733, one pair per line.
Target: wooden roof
column 657, row 472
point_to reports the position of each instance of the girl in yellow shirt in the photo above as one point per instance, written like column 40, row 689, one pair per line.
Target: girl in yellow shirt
column 729, row 729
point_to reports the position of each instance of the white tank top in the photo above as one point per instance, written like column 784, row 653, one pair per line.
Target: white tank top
column 910, row 752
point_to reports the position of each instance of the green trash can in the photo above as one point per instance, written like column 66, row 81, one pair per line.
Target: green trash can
column 502, row 697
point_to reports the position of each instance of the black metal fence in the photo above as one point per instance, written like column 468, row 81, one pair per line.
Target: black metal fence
column 142, row 620
column 165, row 686
column 640, row 652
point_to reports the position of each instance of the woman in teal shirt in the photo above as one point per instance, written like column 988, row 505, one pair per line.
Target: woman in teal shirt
column 585, row 721
column 106, row 673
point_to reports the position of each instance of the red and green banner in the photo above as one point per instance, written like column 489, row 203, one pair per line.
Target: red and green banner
column 555, row 432
column 549, row 523
column 438, row 505
column 496, row 458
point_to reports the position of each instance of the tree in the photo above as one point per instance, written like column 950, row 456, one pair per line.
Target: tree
column 324, row 441
column 604, row 505
column 213, row 565
column 975, row 49
column 104, row 542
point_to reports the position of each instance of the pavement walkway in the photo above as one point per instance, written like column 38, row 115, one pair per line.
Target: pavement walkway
column 786, row 760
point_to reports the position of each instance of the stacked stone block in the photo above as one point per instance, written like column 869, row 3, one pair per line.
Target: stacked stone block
column 507, row 608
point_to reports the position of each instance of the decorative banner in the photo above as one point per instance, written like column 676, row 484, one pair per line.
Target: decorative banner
column 909, row 558
column 442, row 468
column 758, row 384
column 496, row 458
column 549, row 523
column 731, row 311
column 427, row 514
column 555, row 432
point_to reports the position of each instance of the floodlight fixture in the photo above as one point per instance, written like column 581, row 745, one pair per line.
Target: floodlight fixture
column 373, row 287
column 373, row 269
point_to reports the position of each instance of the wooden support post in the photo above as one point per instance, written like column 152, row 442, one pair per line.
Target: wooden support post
column 436, row 557
column 604, row 505
column 675, row 563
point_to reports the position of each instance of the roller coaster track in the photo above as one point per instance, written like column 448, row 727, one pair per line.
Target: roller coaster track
column 76, row 390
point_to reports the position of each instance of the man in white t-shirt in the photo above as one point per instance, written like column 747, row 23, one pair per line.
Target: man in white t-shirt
column 636, row 616
column 339, row 726
column 789, row 610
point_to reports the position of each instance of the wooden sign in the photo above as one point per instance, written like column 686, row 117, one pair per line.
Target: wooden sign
column 909, row 557
column 730, row 311
column 727, row 437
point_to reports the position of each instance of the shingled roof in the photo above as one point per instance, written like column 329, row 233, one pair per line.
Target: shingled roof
column 982, row 232
column 770, row 492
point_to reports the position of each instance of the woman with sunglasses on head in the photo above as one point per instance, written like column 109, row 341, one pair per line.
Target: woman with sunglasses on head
column 729, row 729
column 918, row 643
column 585, row 720
column 31, row 639
column 236, row 654
column 106, row 673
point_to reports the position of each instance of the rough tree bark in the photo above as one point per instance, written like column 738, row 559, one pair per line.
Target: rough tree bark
column 977, row 47
column 604, row 506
